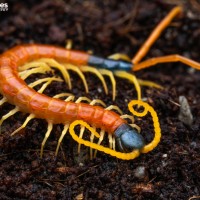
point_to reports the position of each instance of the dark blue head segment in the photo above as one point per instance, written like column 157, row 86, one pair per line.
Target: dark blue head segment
column 128, row 138
column 109, row 64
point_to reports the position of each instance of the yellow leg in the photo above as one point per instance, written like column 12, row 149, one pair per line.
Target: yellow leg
column 110, row 139
column 113, row 142
column 97, row 101
column 61, row 137
column 62, row 95
column 149, row 84
column 31, row 116
column 82, row 99
column 44, row 86
column 10, row 113
column 120, row 56
column 132, row 79
column 61, row 68
column 136, row 127
column 97, row 73
column 81, row 136
column 91, row 140
column 132, row 122
column 116, row 108
column 128, row 117
column 70, row 98
column 34, row 64
column 102, row 134
column 49, row 129
column 68, row 44
column 3, row 100
column 78, row 71
column 108, row 73
column 25, row 74
column 35, row 83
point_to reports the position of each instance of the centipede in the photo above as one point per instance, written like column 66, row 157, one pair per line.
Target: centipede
column 20, row 62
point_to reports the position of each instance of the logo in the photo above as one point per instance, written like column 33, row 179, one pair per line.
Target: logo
column 3, row 6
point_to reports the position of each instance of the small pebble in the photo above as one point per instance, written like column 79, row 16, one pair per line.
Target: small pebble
column 140, row 172
column 158, row 169
column 81, row 164
column 79, row 197
column 193, row 144
column 185, row 114
column 164, row 164
column 191, row 70
column 99, row 90
column 164, row 155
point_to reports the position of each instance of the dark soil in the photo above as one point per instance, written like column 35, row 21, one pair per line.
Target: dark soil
column 172, row 170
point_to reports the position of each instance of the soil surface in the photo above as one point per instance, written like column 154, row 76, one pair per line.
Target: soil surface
column 172, row 170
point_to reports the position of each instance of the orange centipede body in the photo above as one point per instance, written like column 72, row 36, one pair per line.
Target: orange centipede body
column 55, row 111
column 42, row 106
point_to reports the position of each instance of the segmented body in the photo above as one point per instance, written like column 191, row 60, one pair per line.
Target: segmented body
column 18, row 93
column 54, row 110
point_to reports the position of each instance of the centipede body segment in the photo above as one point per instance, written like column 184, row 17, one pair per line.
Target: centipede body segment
column 20, row 62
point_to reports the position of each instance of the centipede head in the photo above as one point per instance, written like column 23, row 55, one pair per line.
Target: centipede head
column 128, row 138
